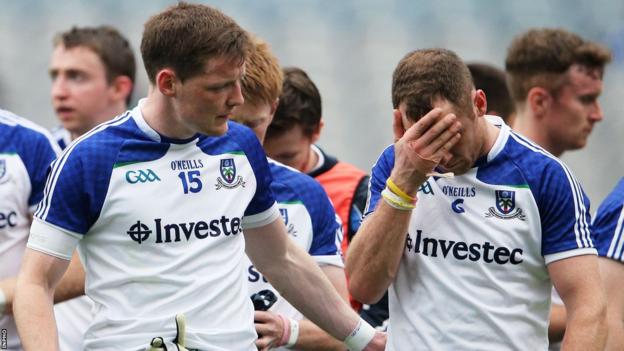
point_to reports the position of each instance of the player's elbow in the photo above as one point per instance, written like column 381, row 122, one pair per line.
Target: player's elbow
column 364, row 291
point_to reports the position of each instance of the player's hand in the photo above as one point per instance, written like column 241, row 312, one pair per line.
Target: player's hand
column 378, row 343
column 420, row 148
column 270, row 329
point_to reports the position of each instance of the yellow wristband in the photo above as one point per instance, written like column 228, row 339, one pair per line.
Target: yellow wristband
column 395, row 189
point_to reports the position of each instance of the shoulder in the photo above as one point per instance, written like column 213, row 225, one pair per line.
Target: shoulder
column 287, row 180
column 24, row 132
column 384, row 164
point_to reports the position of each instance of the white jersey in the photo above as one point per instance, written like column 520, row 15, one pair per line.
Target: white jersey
column 311, row 222
column 26, row 151
column 473, row 273
column 159, row 223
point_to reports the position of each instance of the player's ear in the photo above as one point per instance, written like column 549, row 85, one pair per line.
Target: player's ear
column 121, row 87
column 166, row 82
column 317, row 132
column 479, row 101
column 539, row 101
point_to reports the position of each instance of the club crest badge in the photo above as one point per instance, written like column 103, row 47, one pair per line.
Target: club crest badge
column 3, row 171
column 505, row 206
column 228, row 179
column 290, row 228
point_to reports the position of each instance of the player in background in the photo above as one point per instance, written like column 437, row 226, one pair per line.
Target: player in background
column 26, row 151
column 291, row 138
column 92, row 71
column 493, row 81
column 306, row 210
column 608, row 229
column 470, row 263
column 555, row 78
column 159, row 198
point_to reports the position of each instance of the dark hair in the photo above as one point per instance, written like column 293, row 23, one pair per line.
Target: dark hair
column 185, row 36
column 493, row 81
column 428, row 74
column 299, row 104
column 541, row 57
column 108, row 44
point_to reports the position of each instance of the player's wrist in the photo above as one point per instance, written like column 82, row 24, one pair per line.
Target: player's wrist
column 360, row 337
column 290, row 331
column 407, row 182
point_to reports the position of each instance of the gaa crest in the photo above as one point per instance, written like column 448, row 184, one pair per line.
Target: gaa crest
column 505, row 206
column 228, row 178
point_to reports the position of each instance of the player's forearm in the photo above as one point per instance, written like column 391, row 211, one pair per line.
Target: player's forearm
column 557, row 325
column 34, row 317
column 586, row 328
column 299, row 279
column 375, row 253
column 313, row 338
column 8, row 288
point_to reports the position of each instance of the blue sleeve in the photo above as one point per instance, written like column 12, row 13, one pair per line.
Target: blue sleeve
column 326, row 227
column 37, row 155
column 379, row 174
column 76, row 187
column 608, row 226
column 564, row 211
column 263, row 198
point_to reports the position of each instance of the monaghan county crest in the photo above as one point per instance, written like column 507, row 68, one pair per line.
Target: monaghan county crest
column 2, row 170
column 505, row 206
column 290, row 228
column 228, row 177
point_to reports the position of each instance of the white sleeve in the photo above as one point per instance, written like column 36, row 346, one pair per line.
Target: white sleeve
column 52, row 240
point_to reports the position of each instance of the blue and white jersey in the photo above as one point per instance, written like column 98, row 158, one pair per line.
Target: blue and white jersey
column 473, row 272
column 311, row 222
column 159, row 226
column 26, row 151
column 62, row 137
column 608, row 226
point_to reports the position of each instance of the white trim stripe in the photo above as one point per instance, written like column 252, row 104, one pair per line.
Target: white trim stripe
column 618, row 239
column 581, row 228
column 57, row 166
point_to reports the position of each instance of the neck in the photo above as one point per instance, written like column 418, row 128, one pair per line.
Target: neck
column 311, row 161
column 161, row 115
column 490, row 133
column 528, row 125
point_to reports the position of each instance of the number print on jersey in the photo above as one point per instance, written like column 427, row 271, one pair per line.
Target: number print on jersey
column 191, row 181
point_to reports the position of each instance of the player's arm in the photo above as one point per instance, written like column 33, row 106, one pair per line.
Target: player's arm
column 289, row 268
column 612, row 273
column 71, row 285
column 577, row 279
column 39, row 275
column 375, row 253
column 557, row 323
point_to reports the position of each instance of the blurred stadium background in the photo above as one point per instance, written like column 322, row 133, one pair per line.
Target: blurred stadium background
column 349, row 47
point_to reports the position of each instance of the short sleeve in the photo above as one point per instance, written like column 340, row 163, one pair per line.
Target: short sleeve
column 608, row 225
column 564, row 214
column 379, row 174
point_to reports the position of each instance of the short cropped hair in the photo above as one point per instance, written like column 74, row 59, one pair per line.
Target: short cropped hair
column 493, row 81
column 263, row 75
column 108, row 44
column 423, row 76
column 300, row 104
column 541, row 57
column 185, row 36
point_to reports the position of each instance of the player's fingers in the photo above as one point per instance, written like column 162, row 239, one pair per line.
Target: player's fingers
column 424, row 123
column 262, row 316
column 441, row 125
column 264, row 343
column 439, row 142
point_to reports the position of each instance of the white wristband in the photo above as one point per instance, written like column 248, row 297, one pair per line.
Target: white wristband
column 294, row 333
column 360, row 336
column 2, row 302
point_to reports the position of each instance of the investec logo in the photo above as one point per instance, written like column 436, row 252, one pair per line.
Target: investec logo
column 176, row 232
column 460, row 250
column 141, row 176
